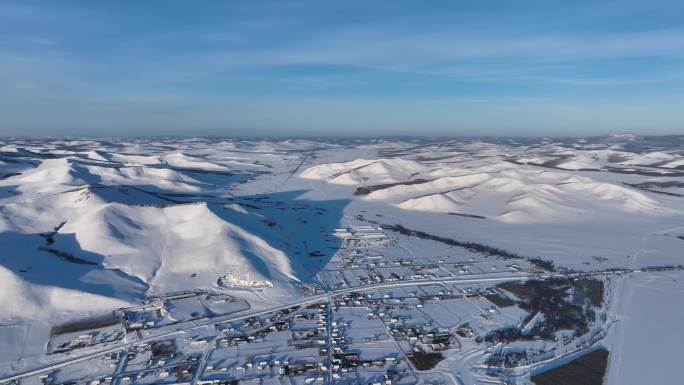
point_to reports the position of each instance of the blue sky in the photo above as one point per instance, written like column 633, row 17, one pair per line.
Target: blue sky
column 341, row 67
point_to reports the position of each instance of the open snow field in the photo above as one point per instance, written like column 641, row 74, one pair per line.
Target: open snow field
column 163, row 233
column 648, row 339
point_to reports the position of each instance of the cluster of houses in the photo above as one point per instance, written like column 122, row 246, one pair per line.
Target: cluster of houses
column 311, row 327
column 233, row 337
column 363, row 236
column 160, row 361
column 388, row 302
column 68, row 342
column 428, row 339
column 308, row 329
column 145, row 317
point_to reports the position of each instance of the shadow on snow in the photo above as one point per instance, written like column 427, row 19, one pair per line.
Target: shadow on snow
column 69, row 267
column 300, row 228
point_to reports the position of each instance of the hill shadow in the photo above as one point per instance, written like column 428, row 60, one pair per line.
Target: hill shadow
column 34, row 259
column 299, row 227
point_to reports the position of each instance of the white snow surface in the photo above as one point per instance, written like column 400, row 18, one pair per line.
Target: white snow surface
column 94, row 225
column 515, row 194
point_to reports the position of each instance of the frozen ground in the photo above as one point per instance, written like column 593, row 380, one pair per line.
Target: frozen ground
column 648, row 339
column 410, row 236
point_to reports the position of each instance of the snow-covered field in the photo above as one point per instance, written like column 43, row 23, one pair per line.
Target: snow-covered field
column 91, row 226
column 647, row 341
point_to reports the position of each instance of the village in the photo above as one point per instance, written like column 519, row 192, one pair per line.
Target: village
column 373, row 317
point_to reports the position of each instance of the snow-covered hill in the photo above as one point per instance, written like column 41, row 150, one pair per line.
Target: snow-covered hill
column 165, row 246
column 364, row 170
column 94, row 228
column 21, row 299
column 100, row 222
column 505, row 191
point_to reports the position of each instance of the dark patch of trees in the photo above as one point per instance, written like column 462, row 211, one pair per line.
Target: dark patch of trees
column 588, row 370
column 542, row 263
column 66, row 256
column 468, row 215
column 507, row 358
column 499, row 300
column 661, row 268
column 506, row 334
column 425, row 361
column 471, row 246
column 86, row 324
column 365, row 190
column 50, row 236
column 566, row 304
column 164, row 348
